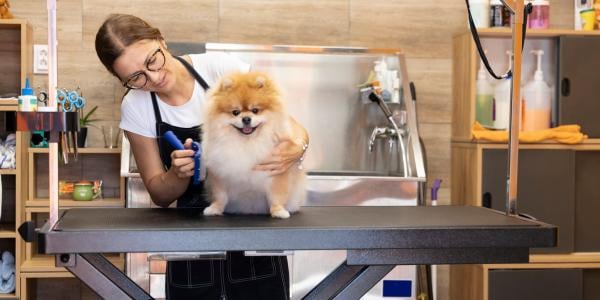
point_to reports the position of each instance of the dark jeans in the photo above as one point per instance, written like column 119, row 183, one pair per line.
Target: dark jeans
column 238, row 277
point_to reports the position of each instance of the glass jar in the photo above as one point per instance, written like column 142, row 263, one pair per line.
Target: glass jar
column 83, row 191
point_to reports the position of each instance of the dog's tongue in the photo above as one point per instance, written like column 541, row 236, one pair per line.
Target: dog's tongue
column 247, row 129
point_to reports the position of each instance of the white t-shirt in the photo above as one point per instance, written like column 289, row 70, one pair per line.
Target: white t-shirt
column 137, row 113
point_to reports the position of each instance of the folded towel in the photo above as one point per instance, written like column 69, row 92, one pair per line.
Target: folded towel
column 566, row 134
column 8, row 286
column 7, row 267
column 7, row 273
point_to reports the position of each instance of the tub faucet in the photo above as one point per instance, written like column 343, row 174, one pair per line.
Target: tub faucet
column 384, row 133
column 389, row 132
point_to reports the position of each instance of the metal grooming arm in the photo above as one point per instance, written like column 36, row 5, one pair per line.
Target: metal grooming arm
column 517, row 8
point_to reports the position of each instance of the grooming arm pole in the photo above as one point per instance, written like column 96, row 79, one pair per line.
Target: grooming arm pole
column 52, row 84
column 517, row 8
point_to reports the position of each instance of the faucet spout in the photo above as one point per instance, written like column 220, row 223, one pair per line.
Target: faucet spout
column 377, row 132
column 373, row 96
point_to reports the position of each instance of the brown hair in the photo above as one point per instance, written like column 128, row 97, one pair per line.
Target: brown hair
column 119, row 31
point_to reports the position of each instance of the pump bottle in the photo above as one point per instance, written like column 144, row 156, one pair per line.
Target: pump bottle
column 501, row 111
column 537, row 100
column 484, row 99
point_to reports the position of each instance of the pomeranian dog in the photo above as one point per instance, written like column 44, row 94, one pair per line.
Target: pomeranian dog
column 245, row 120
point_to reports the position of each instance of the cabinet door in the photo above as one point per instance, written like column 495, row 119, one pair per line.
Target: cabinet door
column 545, row 189
column 578, row 78
column 550, row 284
column 591, row 284
column 587, row 201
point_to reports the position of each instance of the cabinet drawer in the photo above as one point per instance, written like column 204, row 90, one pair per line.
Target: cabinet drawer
column 544, row 284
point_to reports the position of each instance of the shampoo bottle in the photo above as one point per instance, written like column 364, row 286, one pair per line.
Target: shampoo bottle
column 484, row 99
column 27, row 101
column 501, row 110
column 537, row 100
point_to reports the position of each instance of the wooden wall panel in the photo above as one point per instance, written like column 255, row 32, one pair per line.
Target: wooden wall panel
column 188, row 20
column 422, row 28
column 432, row 78
column 311, row 22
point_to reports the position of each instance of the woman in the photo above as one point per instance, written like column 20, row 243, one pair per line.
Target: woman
column 166, row 93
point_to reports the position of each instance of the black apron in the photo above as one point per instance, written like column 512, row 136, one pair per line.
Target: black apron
column 237, row 277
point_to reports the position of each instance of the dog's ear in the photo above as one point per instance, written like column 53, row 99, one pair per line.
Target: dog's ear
column 226, row 84
column 260, row 81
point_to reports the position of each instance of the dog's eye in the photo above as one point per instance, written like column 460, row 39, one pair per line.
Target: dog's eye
column 255, row 110
column 235, row 112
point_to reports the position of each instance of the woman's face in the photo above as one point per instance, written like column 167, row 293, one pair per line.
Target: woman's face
column 145, row 65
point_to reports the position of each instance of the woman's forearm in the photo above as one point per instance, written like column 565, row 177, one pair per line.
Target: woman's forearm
column 167, row 187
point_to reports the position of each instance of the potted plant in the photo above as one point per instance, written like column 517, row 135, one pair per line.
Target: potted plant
column 85, row 121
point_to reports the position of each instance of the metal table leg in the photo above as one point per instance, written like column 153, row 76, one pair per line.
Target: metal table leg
column 348, row 282
column 101, row 276
column 362, row 283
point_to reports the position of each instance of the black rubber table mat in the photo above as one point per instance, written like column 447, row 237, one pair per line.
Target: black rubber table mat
column 313, row 228
column 357, row 217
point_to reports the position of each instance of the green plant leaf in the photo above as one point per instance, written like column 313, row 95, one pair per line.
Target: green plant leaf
column 90, row 113
column 85, row 120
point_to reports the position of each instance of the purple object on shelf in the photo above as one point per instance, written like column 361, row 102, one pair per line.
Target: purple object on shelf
column 434, row 189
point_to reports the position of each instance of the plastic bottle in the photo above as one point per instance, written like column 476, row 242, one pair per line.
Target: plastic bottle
column 537, row 100
column 540, row 15
column 480, row 9
column 501, row 103
column 27, row 100
column 484, row 99
column 499, row 14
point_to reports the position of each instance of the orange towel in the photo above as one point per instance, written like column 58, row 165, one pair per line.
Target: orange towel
column 566, row 134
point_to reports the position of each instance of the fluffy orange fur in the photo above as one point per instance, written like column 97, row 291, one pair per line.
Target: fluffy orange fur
column 4, row 10
column 245, row 120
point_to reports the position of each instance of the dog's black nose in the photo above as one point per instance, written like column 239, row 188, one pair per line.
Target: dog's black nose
column 246, row 120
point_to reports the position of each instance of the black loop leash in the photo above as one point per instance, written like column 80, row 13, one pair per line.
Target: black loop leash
column 528, row 9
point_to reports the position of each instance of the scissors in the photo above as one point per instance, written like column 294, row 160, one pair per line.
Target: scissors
column 69, row 100
column 176, row 143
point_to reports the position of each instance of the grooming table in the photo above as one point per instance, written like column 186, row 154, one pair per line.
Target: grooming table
column 376, row 239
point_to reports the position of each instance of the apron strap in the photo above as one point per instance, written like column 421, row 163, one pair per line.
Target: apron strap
column 198, row 78
column 156, row 113
column 192, row 71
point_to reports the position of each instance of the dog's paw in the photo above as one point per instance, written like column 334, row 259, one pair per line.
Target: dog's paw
column 281, row 214
column 213, row 211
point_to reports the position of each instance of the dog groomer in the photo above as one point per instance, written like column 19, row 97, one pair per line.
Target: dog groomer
column 166, row 93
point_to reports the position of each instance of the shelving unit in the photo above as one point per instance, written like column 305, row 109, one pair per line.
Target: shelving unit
column 554, row 185
column 91, row 164
column 16, row 58
column 30, row 200
column 101, row 162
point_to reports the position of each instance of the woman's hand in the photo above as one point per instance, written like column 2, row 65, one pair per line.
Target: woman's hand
column 285, row 154
column 182, row 161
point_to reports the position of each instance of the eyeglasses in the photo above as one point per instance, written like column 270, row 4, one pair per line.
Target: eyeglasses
column 155, row 63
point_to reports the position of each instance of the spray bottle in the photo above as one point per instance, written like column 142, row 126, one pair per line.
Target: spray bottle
column 537, row 99
column 484, row 99
column 502, row 91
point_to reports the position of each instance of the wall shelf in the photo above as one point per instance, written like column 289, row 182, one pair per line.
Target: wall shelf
column 541, row 33
column 68, row 203
column 8, row 171
column 81, row 150
column 590, row 144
